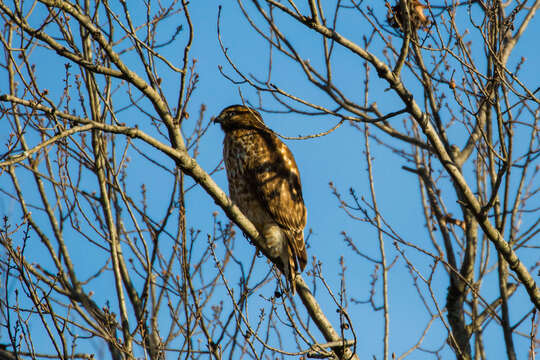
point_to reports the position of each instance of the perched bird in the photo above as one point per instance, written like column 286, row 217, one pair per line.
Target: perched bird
column 264, row 183
column 417, row 17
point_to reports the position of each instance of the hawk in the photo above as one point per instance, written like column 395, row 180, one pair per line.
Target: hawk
column 417, row 17
column 264, row 183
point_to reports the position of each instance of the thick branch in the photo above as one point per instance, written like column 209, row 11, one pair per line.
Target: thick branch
column 190, row 166
column 384, row 72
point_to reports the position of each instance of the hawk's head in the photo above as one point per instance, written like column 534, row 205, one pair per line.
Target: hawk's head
column 239, row 117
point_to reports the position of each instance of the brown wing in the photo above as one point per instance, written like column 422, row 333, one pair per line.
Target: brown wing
column 275, row 177
column 276, row 180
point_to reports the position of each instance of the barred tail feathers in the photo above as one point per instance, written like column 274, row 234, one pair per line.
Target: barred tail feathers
column 289, row 267
column 294, row 257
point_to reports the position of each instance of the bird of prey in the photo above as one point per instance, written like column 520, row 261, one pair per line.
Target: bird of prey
column 264, row 183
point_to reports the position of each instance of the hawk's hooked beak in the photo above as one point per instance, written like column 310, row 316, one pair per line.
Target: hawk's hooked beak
column 218, row 120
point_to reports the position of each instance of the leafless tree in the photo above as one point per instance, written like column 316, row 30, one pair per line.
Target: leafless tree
column 101, row 255
column 98, row 258
column 457, row 111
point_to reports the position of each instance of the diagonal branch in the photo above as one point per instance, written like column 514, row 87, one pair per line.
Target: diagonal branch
column 453, row 169
column 190, row 166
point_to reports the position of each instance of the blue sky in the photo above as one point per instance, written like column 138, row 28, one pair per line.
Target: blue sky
column 338, row 157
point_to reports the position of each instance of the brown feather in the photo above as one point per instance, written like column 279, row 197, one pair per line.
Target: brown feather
column 264, row 182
